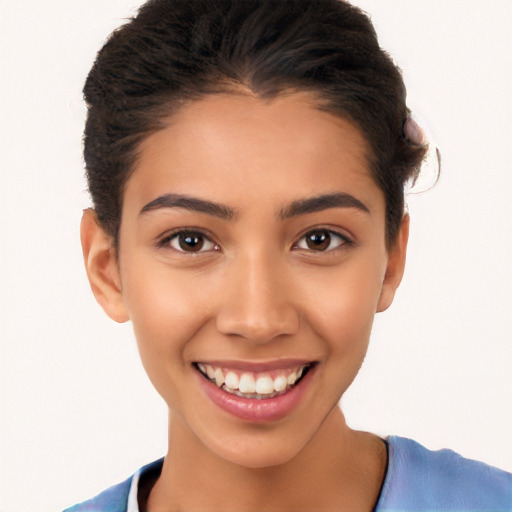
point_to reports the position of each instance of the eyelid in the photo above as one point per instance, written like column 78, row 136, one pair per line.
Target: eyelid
column 163, row 241
column 346, row 239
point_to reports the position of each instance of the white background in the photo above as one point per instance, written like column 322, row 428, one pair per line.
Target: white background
column 77, row 410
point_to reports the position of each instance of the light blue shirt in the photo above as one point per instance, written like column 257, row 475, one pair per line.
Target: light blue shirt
column 417, row 480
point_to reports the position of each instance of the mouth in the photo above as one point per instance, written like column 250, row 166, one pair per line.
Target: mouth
column 254, row 385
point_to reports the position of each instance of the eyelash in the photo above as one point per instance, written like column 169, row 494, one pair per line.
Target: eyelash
column 167, row 240
column 343, row 240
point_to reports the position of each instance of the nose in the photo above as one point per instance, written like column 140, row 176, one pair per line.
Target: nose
column 256, row 302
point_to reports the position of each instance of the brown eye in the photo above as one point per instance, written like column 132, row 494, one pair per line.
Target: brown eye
column 191, row 242
column 318, row 240
column 321, row 240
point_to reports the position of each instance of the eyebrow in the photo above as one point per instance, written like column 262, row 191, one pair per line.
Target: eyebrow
column 322, row 202
column 299, row 207
column 189, row 203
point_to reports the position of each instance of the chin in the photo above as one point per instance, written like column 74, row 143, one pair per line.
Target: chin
column 259, row 456
column 260, row 446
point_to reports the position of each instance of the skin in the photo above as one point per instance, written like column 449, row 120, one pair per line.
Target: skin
column 254, row 292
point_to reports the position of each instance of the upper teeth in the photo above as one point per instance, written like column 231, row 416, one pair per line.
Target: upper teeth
column 250, row 383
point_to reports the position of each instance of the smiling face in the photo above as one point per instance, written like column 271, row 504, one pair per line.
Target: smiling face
column 252, row 259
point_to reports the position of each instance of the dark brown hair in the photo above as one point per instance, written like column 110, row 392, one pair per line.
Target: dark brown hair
column 175, row 51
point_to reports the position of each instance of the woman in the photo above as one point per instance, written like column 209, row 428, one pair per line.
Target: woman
column 247, row 162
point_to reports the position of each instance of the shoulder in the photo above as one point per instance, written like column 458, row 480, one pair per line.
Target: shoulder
column 419, row 479
column 115, row 498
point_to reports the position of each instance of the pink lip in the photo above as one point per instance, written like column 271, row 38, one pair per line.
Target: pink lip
column 256, row 410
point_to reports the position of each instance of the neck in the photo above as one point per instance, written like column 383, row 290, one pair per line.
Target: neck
column 339, row 469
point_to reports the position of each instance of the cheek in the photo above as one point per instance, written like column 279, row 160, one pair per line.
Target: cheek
column 342, row 304
column 166, row 310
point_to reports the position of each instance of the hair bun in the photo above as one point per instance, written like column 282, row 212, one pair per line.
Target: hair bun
column 413, row 134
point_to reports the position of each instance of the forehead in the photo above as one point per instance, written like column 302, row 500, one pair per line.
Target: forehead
column 225, row 145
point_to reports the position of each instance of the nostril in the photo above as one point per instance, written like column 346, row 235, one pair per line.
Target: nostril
column 262, row 330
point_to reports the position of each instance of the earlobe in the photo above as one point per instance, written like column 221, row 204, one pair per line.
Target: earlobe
column 102, row 267
column 395, row 266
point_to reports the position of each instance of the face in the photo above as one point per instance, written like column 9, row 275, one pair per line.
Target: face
column 252, row 260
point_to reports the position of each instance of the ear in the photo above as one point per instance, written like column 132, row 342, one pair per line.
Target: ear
column 102, row 266
column 395, row 266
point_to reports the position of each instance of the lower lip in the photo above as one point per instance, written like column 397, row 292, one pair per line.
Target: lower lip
column 253, row 409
